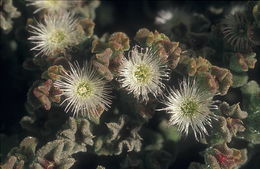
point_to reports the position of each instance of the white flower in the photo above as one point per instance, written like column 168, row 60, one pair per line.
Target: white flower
column 142, row 73
column 163, row 17
column 50, row 5
column 171, row 18
column 190, row 107
column 84, row 90
column 55, row 35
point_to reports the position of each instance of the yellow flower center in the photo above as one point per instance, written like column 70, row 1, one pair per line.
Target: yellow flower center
column 57, row 37
column 84, row 89
column 142, row 73
column 189, row 107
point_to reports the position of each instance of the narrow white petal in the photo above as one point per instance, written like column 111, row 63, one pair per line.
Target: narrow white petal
column 151, row 79
column 56, row 34
column 84, row 101
column 190, row 108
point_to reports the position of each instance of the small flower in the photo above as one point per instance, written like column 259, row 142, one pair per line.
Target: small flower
column 174, row 22
column 51, row 6
column 190, row 106
column 142, row 73
column 172, row 17
column 55, row 35
column 163, row 17
column 84, row 91
column 237, row 31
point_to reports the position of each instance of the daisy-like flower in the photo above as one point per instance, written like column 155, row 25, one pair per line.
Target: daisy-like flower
column 51, row 6
column 55, row 35
column 190, row 107
column 85, row 92
column 143, row 73
column 237, row 32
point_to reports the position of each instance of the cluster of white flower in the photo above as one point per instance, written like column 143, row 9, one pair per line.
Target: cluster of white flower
column 142, row 74
column 190, row 106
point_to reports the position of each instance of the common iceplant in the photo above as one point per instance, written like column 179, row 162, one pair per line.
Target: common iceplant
column 125, row 102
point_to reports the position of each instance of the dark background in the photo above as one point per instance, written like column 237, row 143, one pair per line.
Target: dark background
column 126, row 16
